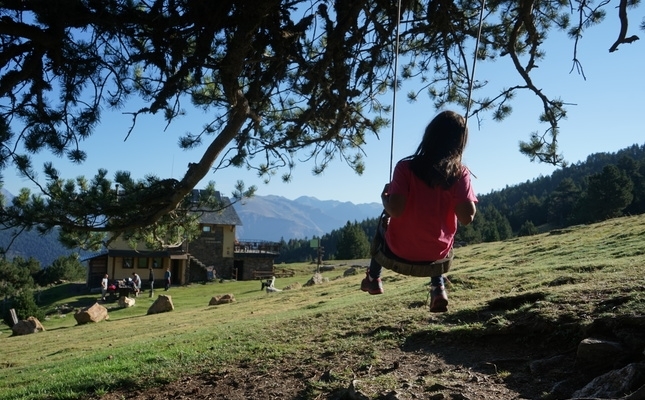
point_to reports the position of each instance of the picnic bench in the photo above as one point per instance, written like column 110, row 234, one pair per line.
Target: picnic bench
column 284, row 273
column 259, row 274
column 126, row 291
column 123, row 289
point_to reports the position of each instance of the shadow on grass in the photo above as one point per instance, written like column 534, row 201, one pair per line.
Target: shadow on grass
column 507, row 303
column 53, row 294
column 502, row 339
column 82, row 302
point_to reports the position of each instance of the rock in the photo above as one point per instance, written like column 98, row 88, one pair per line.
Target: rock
column 547, row 365
column 162, row 304
column 317, row 279
column 564, row 389
column 293, row 286
column 350, row 271
column 354, row 393
column 598, row 355
column 94, row 313
column 394, row 395
column 27, row 326
column 614, row 384
column 125, row 302
column 222, row 299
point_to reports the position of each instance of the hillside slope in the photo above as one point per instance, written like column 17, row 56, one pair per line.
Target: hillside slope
column 518, row 312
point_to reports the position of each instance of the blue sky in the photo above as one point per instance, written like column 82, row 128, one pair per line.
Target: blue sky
column 605, row 117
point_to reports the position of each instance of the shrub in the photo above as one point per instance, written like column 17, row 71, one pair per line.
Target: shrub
column 527, row 229
column 25, row 306
column 67, row 268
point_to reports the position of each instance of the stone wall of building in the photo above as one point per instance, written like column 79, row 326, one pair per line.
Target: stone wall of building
column 249, row 264
column 208, row 247
column 208, row 250
column 225, row 269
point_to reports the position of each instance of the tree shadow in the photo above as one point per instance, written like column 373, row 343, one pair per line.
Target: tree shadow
column 501, row 340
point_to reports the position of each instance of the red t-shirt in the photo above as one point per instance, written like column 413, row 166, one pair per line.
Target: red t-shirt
column 426, row 229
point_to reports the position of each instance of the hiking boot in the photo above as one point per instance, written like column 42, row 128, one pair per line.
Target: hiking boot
column 375, row 286
column 438, row 299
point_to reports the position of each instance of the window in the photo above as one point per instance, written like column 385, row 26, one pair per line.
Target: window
column 157, row 263
column 206, row 228
column 128, row 262
column 142, row 263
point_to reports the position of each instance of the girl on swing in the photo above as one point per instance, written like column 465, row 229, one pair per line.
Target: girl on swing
column 430, row 191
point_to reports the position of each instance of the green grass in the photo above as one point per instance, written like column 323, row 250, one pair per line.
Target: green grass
column 564, row 279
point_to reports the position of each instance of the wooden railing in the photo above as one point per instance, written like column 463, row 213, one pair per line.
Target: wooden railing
column 257, row 247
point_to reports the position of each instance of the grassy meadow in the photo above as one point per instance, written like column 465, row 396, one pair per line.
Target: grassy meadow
column 555, row 283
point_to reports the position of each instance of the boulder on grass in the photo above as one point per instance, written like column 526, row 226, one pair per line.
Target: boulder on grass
column 27, row 326
column 162, row 304
column 317, row 279
column 222, row 299
column 125, row 302
column 94, row 313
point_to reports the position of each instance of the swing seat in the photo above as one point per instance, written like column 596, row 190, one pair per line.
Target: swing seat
column 382, row 254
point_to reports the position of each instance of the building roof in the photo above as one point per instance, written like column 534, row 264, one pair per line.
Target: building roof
column 225, row 216
column 169, row 253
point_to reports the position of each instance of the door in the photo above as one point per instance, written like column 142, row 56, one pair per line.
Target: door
column 97, row 269
column 238, row 270
column 175, row 270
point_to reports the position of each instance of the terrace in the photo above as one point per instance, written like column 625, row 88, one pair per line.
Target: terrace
column 256, row 246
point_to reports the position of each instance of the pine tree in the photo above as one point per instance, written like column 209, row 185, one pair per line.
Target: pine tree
column 354, row 243
column 527, row 229
column 608, row 194
column 279, row 79
column 562, row 202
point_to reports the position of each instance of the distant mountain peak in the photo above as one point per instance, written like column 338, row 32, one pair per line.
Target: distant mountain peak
column 274, row 217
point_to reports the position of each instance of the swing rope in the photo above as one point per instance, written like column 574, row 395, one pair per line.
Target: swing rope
column 395, row 83
column 472, row 74
column 396, row 67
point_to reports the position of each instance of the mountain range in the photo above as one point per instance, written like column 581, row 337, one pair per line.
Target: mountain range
column 273, row 218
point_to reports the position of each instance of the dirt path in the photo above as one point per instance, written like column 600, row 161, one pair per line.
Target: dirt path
column 494, row 368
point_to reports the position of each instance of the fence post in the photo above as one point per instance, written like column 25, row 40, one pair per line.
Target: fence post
column 14, row 317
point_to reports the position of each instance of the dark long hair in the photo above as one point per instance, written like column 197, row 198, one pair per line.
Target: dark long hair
column 437, row 160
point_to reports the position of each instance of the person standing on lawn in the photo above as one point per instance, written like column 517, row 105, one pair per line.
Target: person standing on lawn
column 104, row 286
column 137, row 283
column 151, row 278
column 166, row 278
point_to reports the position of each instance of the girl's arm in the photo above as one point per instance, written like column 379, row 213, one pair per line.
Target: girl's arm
column 465, row 212
column 394, row 204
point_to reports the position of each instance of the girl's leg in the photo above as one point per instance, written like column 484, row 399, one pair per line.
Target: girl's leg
column 374, row 270
column 438, row 295
column 372, row 281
